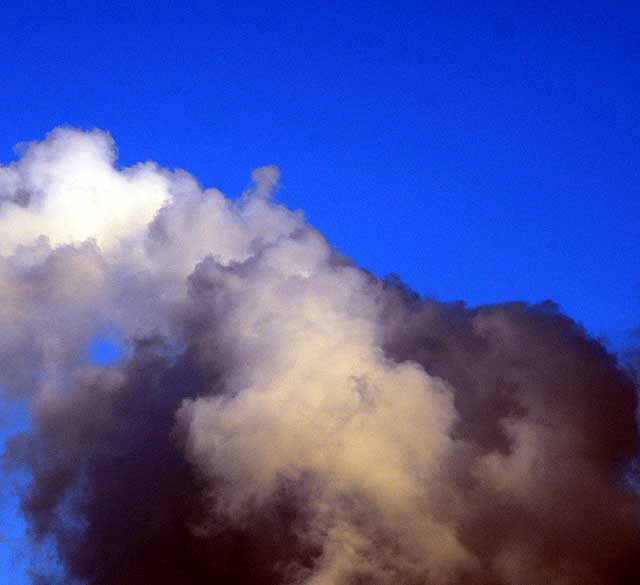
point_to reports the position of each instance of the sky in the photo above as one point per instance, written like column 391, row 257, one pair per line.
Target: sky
column 481, row 151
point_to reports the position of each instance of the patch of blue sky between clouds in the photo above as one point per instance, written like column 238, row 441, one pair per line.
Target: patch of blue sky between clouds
column 105, row 351
column 14, row 418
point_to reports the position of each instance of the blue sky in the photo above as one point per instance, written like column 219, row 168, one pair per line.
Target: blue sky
column 482, row 151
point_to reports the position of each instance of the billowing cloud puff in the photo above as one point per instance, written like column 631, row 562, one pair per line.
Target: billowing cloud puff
column 281, row 416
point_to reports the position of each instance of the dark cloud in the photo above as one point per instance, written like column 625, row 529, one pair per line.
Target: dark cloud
column 113, row 490
column 567, row 509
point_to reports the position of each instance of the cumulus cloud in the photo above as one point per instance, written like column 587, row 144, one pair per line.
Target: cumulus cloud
column 281, row 416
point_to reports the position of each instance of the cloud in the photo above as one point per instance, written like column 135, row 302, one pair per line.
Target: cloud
column 282, row 416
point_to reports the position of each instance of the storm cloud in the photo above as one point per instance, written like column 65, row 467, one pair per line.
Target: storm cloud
column 280, row 416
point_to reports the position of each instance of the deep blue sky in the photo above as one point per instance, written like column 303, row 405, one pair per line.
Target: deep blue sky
column 484, row 151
